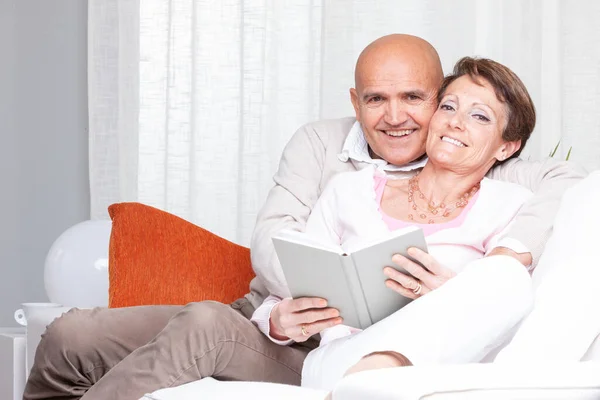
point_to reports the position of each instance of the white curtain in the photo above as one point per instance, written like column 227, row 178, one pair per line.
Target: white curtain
column 192, row 101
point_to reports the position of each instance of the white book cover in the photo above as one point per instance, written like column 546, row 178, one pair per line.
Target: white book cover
column 353, row 282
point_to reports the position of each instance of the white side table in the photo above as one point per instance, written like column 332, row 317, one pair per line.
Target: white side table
column 12, row 363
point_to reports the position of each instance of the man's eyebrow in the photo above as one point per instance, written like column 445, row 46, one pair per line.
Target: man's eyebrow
column 368, row 94
column 416, row 92
column 412, row 92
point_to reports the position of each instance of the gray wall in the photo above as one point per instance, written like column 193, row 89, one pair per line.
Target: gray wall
column 44, row 184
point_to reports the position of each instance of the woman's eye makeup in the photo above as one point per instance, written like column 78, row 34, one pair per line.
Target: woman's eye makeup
column 481, row 117
column 447, row 106
column 477, row 114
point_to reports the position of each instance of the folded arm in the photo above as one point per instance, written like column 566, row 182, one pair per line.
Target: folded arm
column 548, row 180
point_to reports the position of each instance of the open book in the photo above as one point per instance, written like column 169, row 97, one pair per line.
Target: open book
column 353, row 282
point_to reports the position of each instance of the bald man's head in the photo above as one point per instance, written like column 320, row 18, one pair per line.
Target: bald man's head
column 397, row 78
column 399, row 48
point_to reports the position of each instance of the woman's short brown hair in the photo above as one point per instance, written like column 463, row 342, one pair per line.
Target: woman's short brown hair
column 509, row 89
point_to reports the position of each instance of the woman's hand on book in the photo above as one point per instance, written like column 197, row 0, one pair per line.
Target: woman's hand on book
column 299, row 319
column 419, row 281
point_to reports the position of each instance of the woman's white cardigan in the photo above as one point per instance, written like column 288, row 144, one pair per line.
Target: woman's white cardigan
column 347, row 214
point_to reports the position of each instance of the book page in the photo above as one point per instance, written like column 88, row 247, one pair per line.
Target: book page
column 306, row 240
column 383, row 238
column 381, row 300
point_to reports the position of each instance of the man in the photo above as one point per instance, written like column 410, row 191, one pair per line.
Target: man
column 124, row 353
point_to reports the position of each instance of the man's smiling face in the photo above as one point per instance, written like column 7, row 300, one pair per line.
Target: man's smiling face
column 394, row 99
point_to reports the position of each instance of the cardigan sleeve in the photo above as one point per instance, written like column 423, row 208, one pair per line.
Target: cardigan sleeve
column 288, row 204
column 262, row 319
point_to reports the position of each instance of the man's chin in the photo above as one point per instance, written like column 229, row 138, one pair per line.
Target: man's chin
column 398, row 155
column 400, row 160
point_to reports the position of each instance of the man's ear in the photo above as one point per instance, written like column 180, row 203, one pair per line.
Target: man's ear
column 355, row 104
column 508, row 149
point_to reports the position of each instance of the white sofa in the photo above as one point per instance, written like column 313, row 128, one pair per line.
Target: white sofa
column 576, row 381
column 562, row 378
column 568, row 381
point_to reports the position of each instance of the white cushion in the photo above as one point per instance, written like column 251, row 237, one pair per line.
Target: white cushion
column 577, row 381
column 593, row 353
column 564, row 321
column 209, row 388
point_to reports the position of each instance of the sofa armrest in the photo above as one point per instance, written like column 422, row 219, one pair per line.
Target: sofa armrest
column 576, row 381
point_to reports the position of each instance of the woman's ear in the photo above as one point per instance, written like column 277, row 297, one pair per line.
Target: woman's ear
column 508, row 149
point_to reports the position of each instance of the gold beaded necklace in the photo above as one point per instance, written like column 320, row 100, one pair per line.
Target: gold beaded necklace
column 434, row 211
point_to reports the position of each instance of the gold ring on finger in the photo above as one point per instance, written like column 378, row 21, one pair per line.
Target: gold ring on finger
column 304, row 331
column 418, row 289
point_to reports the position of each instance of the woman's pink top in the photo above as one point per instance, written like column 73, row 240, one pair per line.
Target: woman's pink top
column 428, row 229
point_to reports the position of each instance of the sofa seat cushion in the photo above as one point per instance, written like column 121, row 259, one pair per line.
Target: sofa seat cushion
column 575, row 381
column 210, row 388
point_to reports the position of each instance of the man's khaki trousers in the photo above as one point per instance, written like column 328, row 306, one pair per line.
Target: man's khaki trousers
column 124, row 353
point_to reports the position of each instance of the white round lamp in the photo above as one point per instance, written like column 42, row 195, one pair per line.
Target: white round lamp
column 76, row 268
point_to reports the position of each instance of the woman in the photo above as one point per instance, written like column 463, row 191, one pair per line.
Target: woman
column 485, row 116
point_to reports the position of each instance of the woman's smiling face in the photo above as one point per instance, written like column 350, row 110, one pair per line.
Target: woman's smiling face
column 465, row 132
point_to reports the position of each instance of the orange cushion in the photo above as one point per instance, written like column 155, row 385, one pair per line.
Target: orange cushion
column 158, row 258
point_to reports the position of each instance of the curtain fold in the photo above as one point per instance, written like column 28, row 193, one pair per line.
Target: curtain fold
column 192, row 101
column 113, row 102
